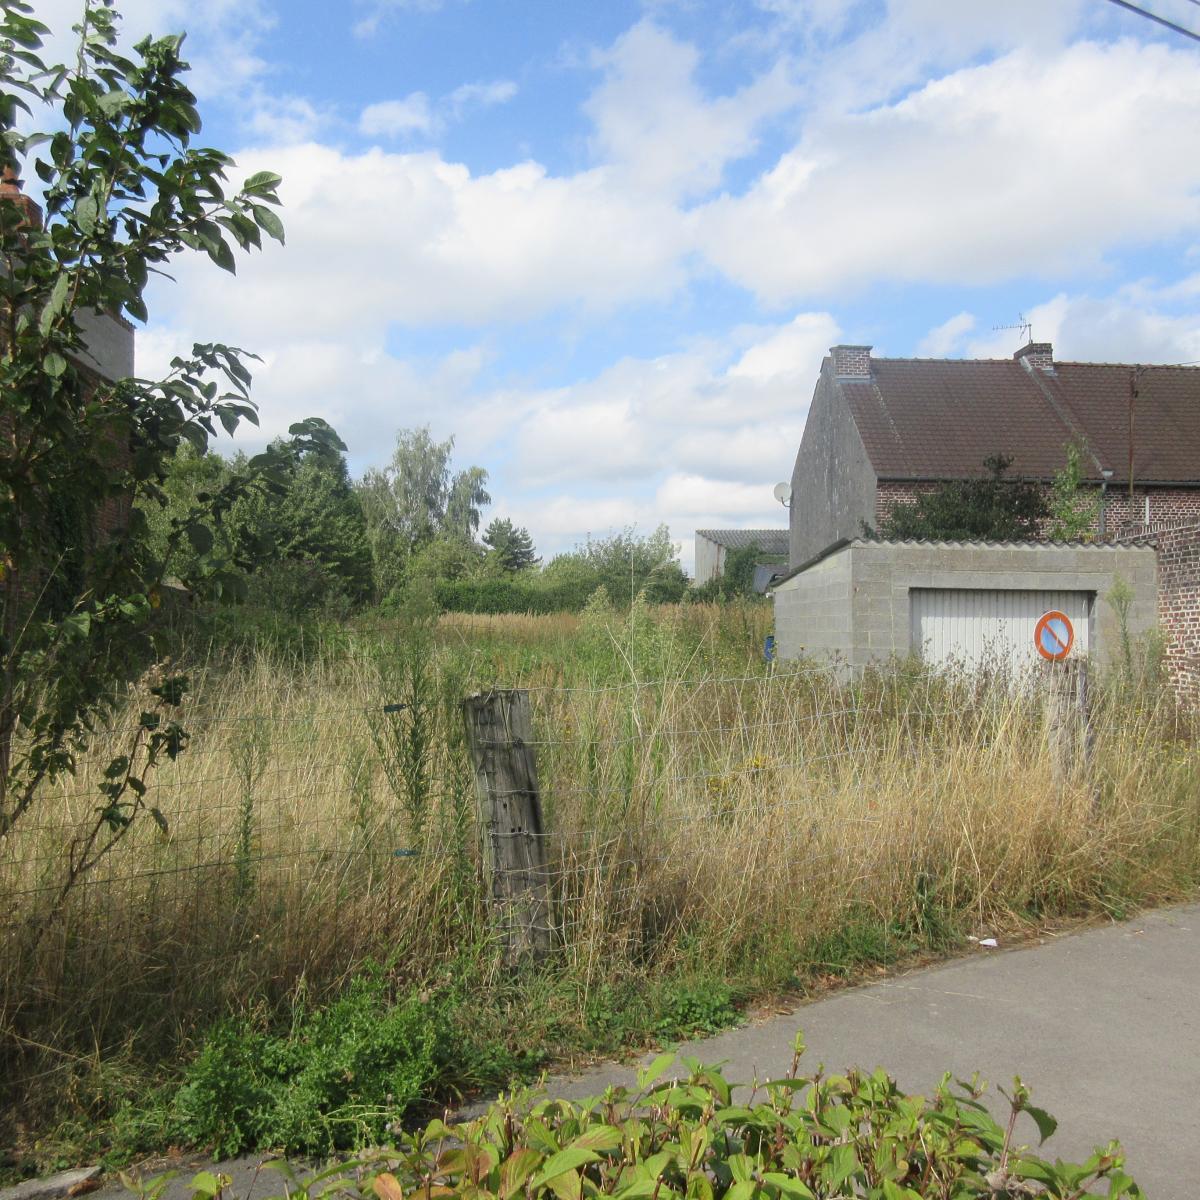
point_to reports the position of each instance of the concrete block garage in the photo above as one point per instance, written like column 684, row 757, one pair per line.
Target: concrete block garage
column 864, row 600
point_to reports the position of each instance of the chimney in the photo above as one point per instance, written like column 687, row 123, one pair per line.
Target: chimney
column 10, row 191
column 1037, row 355
column 851, row 362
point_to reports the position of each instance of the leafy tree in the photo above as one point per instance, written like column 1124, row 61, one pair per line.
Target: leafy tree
column 448, row 556
column 189, row 475
column 511, row 545
column 626, row 565
column 317, row 528
column 468, row 494
column 125, row 191
column 416, row 498
column 988, row 508
column 1074, row 507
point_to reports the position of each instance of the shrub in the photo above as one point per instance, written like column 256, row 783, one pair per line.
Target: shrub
column 331, row 1082
column 852, row 1135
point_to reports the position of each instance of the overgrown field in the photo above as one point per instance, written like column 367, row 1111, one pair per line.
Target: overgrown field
column 300, row 953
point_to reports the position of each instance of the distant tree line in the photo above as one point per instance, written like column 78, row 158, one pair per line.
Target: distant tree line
column 330, row 544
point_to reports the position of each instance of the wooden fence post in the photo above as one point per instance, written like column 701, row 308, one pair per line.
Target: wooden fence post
column 499, row 737
column 1068, row 719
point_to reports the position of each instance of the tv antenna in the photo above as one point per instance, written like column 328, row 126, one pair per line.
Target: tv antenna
column 1022, row 324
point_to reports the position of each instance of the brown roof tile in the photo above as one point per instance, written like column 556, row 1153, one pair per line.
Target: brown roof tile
column 940, row 418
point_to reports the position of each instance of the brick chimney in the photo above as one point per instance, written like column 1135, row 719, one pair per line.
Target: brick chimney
column 1039, row 355
column 851, row 362
column 10, row 192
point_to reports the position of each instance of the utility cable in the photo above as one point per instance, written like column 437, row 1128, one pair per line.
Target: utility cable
column 1150, row 16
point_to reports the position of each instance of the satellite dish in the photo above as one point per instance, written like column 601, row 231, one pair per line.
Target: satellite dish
column 783, row 493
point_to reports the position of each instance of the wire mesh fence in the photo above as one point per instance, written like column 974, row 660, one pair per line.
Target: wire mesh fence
column 304, row 830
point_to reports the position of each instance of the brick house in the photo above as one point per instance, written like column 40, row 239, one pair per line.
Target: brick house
column 881, row 430
column 107, row 354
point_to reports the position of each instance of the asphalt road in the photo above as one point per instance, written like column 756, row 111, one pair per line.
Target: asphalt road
column 1103, row 1025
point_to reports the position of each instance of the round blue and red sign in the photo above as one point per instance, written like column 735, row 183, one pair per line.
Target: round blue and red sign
column 1054, row 635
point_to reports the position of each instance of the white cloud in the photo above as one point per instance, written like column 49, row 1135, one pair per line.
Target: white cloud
column 657, row 128
column 380, row 238
column 284, row 119
column 415, row 114
column 1135, row 324
column 378, row 10
column 699, row 412
column 484, row 95
column 398, row 118
column 946, row 338
column 991, row 172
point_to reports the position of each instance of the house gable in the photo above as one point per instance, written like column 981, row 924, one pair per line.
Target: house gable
column 833, row 481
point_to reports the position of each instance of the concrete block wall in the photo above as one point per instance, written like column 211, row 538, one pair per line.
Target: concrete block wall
column 872, row 584
column 812, row 611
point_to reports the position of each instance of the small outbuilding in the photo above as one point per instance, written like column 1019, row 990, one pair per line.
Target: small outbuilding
column 712, row 546
column 866, row 600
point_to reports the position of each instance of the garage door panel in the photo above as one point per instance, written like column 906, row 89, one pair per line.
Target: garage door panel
column 976, row 626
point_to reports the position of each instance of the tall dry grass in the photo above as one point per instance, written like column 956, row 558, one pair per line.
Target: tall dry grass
column 699, row 809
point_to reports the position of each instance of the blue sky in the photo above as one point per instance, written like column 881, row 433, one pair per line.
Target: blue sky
column 605, row 245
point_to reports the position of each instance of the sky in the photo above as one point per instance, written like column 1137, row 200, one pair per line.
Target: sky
column 605, row 245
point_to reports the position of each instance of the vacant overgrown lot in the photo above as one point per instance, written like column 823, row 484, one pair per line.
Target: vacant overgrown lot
column 299, row 953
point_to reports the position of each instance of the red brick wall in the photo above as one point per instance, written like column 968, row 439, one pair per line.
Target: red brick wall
column 1179, row 602
column 1168, row 506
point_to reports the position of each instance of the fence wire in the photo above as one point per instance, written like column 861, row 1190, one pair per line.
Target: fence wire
column 315, row 832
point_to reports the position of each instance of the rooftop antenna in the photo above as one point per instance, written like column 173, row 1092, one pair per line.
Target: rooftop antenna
column 1023, row 325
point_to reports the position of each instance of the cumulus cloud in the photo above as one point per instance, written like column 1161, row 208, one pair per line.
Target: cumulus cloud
column 657, row 128
column 988, row 173
column 946, row 338
column 1137, row 323
column 398, row 118
column 482, row 95
column 378, row 237
column 416, row 115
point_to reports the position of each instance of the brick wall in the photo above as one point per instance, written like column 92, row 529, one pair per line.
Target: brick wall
column 1178, row 601
column 1167, row 506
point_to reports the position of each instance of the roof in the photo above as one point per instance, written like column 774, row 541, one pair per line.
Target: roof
column 1147, row 541
column 769, row 541
column 922, row 418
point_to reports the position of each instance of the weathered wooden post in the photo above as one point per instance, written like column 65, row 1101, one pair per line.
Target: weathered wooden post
column 1067, row 718
column 500, row 739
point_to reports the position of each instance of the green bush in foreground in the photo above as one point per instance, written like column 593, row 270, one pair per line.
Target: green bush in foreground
column 331, row 1082
column 797, row 1138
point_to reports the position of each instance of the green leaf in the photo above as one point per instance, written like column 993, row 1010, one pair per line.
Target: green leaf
column 565, row 1160
column 788, row 1186
column 87, row 213
column 263, row 181
column 742, row 1190
column 598, row 1137
column 516, row 1169
column 117, row 767
column 268, row 221
column 55, row 302
column 161, row 821
column 1043, row 1120
column 54, row 365
column 219, row 251
column 200, row 536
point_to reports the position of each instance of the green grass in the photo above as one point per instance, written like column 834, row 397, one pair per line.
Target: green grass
column 717, row 836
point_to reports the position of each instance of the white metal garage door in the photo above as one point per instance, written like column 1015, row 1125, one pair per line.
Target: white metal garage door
column 973, row 627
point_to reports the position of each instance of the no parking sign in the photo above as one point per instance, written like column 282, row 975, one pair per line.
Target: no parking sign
column 1054, row 635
